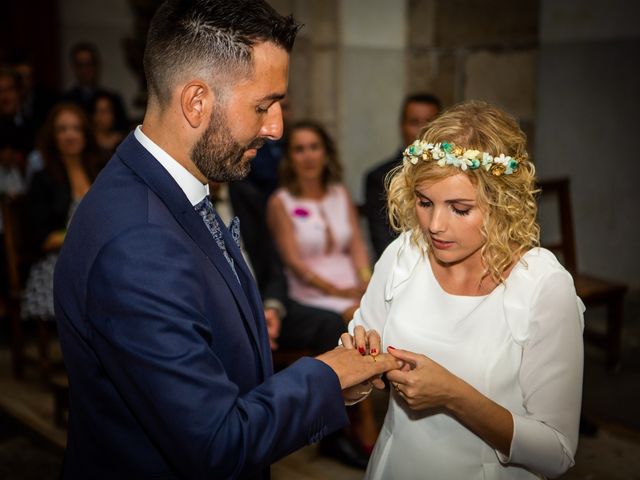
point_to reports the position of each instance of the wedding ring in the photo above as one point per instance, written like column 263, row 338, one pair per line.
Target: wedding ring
column 395, row 385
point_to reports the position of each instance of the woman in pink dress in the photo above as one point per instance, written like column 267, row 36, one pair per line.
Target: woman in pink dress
column 315, row 225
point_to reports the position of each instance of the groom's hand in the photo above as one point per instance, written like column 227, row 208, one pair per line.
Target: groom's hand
column 352, row 368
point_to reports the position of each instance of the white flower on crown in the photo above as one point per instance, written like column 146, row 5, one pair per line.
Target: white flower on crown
column 437, row 153
column 470, row 154
column 503, row 159
column 487, row 160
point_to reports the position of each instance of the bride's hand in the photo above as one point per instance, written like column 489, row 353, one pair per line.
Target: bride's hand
column 367, row 343
column 423, row 383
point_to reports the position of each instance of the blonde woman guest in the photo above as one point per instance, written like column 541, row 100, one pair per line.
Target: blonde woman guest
column 488, row 321
column 315, row 225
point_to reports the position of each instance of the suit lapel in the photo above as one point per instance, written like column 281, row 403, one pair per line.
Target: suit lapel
column 164, row 186
column 251, row 290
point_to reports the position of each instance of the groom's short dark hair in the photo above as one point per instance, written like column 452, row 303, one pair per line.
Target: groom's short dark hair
column 209, row 38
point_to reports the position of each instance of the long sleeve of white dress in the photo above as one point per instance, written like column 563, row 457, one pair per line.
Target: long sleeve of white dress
column 546, row 438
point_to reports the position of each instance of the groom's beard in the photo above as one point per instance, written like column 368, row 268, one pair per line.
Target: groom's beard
column 218, row 155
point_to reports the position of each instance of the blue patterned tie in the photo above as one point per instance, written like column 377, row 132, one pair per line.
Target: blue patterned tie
column 205, row 209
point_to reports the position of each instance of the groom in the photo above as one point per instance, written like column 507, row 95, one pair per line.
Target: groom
column 160, row 322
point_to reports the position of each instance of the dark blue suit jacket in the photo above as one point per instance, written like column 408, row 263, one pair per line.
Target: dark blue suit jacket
column 167, row 354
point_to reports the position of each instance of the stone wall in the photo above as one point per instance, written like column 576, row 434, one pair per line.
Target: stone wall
column 348, row 72
column 588, row 98
column 461, row 50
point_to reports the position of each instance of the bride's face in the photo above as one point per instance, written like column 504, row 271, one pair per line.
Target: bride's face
column 449, row 216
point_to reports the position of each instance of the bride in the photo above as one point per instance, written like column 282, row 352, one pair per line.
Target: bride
column 488, row 323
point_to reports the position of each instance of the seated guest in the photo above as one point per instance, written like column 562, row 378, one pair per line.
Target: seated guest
column 11, row 116
column 12, row 182
column 12, row 161
column 109, row 122
column 314, row 223
column 417, row 111
column 315, row 226
column 289, row 323
column 70, row 165
column 85, row 63
column 36, row 98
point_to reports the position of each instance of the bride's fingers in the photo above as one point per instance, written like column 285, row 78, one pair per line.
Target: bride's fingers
column 347, row 341
column 373, row 340
column 360, row 338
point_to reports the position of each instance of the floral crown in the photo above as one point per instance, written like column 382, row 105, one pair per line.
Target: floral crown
column 446, row 153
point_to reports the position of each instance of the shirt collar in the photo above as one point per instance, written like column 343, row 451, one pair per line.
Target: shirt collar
column 190, row 185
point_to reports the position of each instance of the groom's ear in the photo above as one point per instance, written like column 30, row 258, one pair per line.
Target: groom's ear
column 196, row 101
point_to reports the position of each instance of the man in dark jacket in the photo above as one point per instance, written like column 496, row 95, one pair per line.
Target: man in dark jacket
column 417, row 111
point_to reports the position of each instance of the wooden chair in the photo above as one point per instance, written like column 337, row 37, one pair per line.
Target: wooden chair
column 19, row 259
column 592, row 290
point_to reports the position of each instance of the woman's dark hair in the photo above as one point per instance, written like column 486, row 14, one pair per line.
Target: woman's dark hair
column 91, row 160
column 120, row 120
column 333, row 170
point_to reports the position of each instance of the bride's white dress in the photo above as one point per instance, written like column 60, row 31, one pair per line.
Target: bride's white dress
column 521, row 346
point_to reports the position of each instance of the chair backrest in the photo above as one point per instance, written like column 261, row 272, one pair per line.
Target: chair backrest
column 558, row 190
column 17, row 242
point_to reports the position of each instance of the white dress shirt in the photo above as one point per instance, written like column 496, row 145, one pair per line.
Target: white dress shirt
column 190, row 185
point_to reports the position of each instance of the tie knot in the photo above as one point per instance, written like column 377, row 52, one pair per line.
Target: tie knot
column 204, row 207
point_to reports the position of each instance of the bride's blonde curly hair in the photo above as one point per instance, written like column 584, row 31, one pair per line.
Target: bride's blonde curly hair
column 508, row 202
